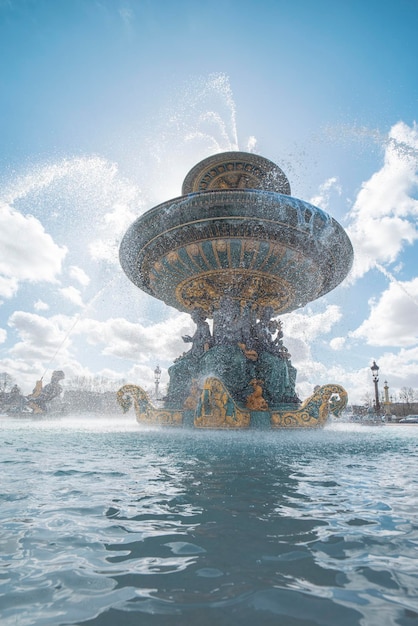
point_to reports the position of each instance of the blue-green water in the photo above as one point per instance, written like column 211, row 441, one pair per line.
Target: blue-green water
column 103, row 523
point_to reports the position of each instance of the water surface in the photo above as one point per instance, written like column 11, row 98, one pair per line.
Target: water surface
column 103, row 523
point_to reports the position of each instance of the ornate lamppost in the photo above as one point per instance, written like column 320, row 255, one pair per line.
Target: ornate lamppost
column 375, row 376
column 157, row 376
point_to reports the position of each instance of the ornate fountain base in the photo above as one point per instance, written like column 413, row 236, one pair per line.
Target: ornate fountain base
column 214, row 408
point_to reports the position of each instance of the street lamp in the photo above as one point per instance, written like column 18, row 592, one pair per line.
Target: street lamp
column 157, row 375
column 375, row 375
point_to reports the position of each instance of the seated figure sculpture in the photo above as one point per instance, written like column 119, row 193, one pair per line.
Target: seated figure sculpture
column 202, row 339
column 39, row 399
column 273, row 364
column 13, row 401
column 255, row 400
column 184, row 369
column 227, row 359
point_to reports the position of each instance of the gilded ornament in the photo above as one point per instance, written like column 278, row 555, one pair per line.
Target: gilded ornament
column 216, row 408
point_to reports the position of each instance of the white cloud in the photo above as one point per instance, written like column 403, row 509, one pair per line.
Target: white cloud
column 40, row 337
column 27, row 252
column 72, row 294
column 49, row 343
column 79, row 275
column 383, row 218
column 301, row 329
column 337, row 343
column 26, row 371
column 308, row 326
column 400, row 368
column 393, row 318
column 3, row 335
column 8, row 286
column 134, row 341
column 39, row 305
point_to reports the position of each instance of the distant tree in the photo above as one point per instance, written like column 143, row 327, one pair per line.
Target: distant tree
column 97, row 384
column 367, row 400
column 407, row 395
column 79, row 383
column 6, row 381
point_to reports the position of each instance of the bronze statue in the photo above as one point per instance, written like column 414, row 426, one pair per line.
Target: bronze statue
column 39, row 399
column 202, row 339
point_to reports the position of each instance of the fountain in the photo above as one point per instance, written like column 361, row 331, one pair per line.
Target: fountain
column 236, row 249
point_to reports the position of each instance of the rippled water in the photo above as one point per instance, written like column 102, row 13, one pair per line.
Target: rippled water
column 103, row 523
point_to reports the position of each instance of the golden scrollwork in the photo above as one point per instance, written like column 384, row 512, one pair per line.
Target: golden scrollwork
column 216, row 408
column 206, row 289
column 146, row 412
column 314, row 411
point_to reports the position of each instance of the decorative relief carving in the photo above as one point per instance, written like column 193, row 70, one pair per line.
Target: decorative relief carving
column 242, row 285
column 216, row 409
column 315, row 410
column 236, row 171
column 146, row 413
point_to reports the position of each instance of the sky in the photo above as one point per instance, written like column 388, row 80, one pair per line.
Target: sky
column 107, row 104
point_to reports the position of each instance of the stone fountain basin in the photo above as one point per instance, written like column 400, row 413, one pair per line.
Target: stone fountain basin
column 255, row 246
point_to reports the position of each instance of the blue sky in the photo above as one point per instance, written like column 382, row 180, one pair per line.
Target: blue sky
column 106, row 105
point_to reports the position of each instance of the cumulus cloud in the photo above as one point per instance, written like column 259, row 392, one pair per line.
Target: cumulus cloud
column 79, row 275
column 137, row 342
column 393, row 317
column 337, row 343
column 27, row 252
column 3, row 335
column 308, row 325
column 39, row 337
column 40, row 305
column 383, row 218
column 73, row 295
column 402, row 365
column 8, row 286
